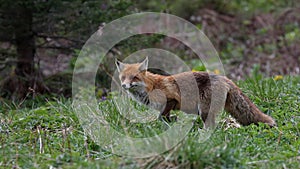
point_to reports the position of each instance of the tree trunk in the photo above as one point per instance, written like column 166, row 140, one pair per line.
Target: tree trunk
column 24, row 80
column 24, row 43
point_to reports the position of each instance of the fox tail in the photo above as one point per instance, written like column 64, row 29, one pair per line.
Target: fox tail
column 243, row 109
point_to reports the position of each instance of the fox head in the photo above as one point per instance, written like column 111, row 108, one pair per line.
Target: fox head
column 131, row 75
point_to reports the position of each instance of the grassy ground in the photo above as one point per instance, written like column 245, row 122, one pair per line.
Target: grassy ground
column 47, row 134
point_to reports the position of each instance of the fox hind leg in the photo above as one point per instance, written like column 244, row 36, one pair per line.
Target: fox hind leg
column 214, row 107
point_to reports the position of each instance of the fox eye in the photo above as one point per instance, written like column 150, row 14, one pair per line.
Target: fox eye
column 136, row 78
column 122, row 78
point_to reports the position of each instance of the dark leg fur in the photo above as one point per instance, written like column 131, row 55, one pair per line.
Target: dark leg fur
column 165, row 115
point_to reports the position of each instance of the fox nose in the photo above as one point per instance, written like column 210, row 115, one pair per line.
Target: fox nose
column 126, row 86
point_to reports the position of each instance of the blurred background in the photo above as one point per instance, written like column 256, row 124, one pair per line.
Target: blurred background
column 40, row 39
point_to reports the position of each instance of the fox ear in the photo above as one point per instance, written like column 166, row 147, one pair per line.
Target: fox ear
column 144, row 65
column 120, row 65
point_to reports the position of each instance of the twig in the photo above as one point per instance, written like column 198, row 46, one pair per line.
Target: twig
column 3, row 149
column 110, row 75
column 41, row 148
column 279, row 137
column 86, row 147
column 260, row 161
column 17, row 156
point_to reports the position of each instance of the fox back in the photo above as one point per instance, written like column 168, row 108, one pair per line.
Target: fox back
column 191, row 92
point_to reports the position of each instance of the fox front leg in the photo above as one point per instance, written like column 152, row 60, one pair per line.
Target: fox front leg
column 165, row 114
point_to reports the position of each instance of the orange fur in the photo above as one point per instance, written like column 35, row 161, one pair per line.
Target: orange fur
column 178, row 92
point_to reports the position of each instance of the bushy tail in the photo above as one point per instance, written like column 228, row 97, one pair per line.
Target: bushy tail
column 243, row 109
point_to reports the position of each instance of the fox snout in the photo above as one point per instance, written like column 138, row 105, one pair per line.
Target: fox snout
column 127, row 86
column 132, row 85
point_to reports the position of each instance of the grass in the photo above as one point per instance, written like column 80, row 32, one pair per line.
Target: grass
column 47, row 134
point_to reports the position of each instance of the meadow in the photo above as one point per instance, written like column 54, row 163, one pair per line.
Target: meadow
column 44, row 132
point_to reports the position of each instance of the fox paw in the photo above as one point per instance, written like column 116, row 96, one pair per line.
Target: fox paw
column 168, row 119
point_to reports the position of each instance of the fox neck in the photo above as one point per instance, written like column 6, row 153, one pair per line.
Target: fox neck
column 141, row 94
column 150, row 80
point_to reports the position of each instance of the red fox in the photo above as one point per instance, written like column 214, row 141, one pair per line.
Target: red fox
column 162, row 92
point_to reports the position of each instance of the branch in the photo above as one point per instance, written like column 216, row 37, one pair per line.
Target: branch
column 60, row 37
column 56, row 47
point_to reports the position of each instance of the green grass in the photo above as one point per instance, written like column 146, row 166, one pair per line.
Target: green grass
column 41, row 134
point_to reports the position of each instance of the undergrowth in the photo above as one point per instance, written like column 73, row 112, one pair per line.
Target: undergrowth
column 44, row 133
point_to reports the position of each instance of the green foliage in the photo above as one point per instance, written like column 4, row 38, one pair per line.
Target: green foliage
column 41, row 134
column 246, row 8
column 293, row 34
column 250, row 7
column 138, row 42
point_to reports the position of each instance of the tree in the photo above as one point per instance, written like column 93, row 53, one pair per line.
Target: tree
column 34, row 24
column 17, row 25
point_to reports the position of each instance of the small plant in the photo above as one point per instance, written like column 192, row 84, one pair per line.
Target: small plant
column 48, row 134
